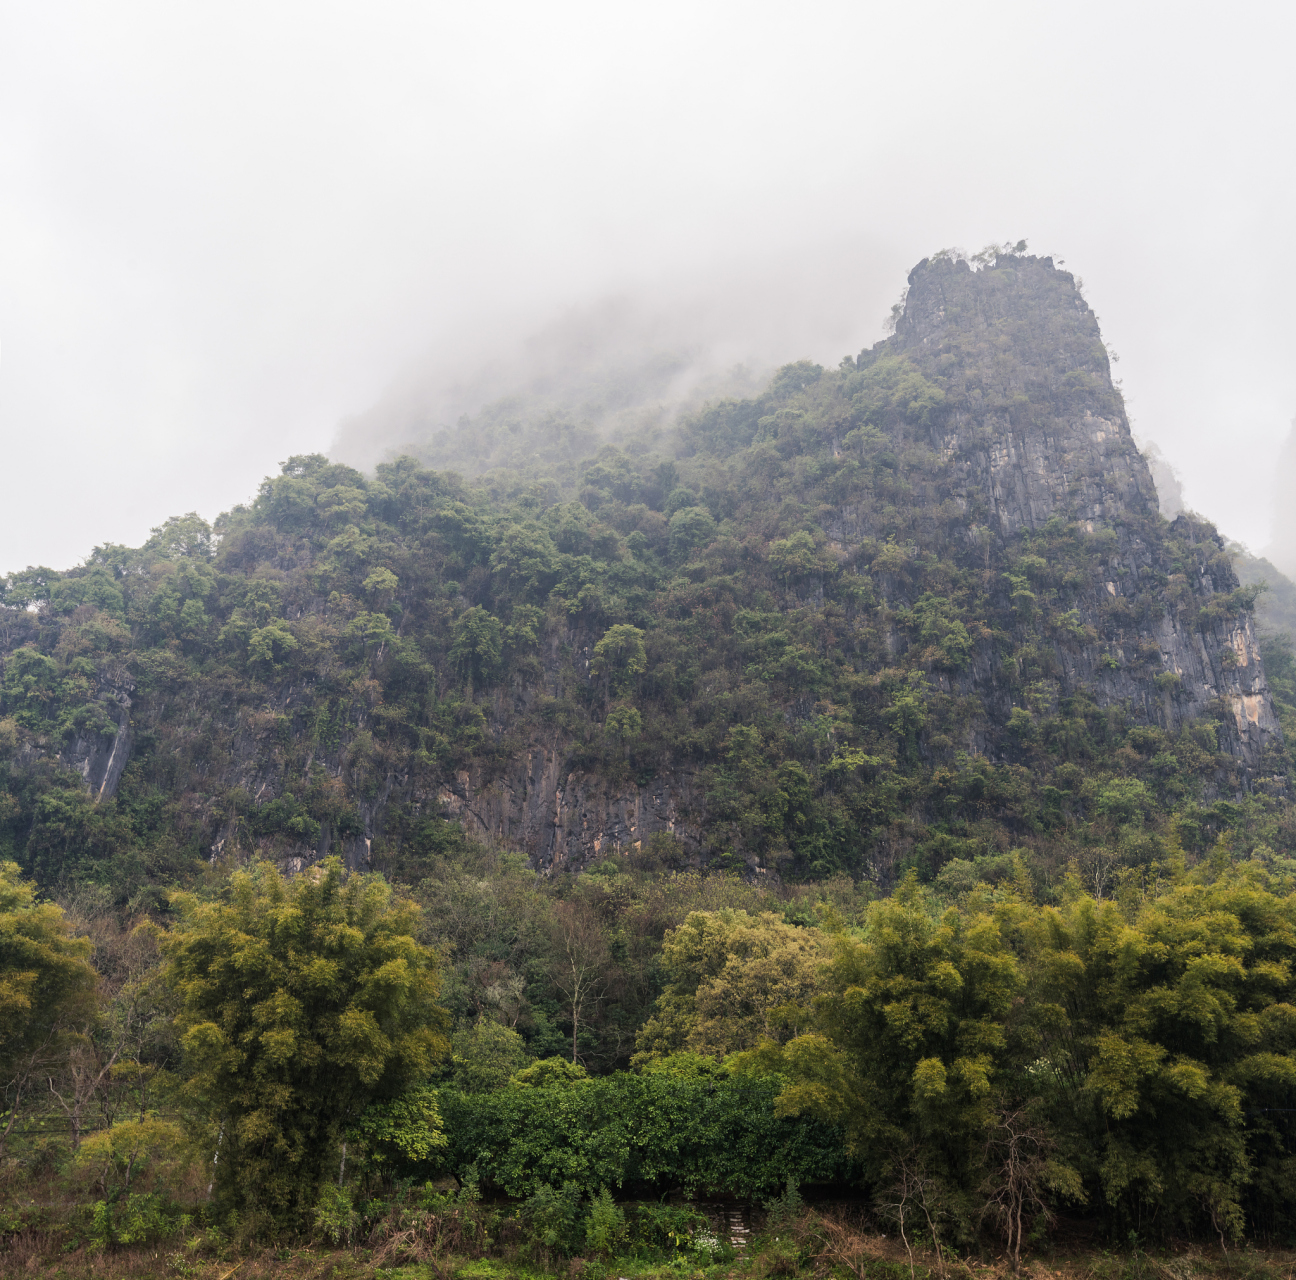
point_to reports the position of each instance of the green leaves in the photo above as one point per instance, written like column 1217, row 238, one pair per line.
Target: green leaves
column 301, row 1003
column 690, row 529
column 31, row 688
column 476, row 644
column 270, row 645
column 698, row 1131
column 620, row 656
column 47, row 993
column 408, row 1127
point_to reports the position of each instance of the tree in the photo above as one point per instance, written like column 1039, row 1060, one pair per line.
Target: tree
column 1021, row 1170
column 1168, row 1052
column 112, row 1067
column 915, row 1031
column 476, row 644
column 486, row 1056
column 909, row 1196
column 581, row 961
column 182, row 536
column 620, row 656
column 46, row 986
column 732, row 981
column 796, row 557
column 624, row 724
column 301, row 1003
column 690, row 528
column 31, row 688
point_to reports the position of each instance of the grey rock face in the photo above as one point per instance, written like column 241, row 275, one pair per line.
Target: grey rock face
column 100, row 758
column 561, row 819
column 1034, row 428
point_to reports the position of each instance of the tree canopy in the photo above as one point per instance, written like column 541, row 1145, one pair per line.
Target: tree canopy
column 300, row 1002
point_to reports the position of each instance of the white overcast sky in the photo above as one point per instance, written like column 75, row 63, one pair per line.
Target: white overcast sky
column 226, row 227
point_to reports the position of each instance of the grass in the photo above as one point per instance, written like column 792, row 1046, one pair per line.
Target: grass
column 46, row 1233
column 866, row 1257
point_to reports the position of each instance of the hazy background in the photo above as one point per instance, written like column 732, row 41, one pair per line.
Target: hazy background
column 225, row 229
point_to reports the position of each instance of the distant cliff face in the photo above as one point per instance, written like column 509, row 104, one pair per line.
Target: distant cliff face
column 1036, row 430
column 1033, row 420
column 1031, row 429
column 924, row 597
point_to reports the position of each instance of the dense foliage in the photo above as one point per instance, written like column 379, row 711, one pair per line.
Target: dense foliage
column 312, row 675
column 299, row 1005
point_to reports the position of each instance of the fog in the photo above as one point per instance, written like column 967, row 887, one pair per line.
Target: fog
column 226, row 232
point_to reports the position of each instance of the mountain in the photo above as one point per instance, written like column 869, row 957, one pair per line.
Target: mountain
column 916, row 608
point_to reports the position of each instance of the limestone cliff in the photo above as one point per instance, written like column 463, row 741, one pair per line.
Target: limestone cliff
column 1036, row 429
column 1032, row 429
column 857, row 591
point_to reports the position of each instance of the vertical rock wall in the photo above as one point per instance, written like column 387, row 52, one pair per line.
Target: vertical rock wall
column 1034, row 428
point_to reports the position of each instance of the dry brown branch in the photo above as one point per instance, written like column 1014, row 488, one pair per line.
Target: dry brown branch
column 847, row 1244
column 1016, row 1154
column 913, row 1195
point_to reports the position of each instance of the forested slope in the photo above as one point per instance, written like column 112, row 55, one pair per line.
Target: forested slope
column 917, row 606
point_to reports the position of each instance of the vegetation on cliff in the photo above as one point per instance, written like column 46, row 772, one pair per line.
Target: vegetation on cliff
column 324, row 664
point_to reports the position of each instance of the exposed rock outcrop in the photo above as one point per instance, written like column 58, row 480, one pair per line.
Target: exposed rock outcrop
column 100, row 758
column 1036, row 429
column 563, row 819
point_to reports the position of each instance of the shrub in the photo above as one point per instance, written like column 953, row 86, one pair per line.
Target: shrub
column 605, row 1228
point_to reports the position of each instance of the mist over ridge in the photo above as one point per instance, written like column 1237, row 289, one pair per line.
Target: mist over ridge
column 628, row 360
column 536, row 393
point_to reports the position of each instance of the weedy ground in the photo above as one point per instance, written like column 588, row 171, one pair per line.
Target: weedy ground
column 806, row 1251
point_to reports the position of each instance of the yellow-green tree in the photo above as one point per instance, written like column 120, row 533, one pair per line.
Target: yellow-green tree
column 915, row 1032
column 1168, row 1052
column 46, row 986
column 302, row 1002
column 733, row 981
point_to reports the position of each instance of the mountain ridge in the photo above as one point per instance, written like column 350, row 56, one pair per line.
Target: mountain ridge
column 858, row 622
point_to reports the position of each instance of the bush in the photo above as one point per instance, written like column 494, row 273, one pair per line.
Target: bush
column 668, row 1228
column 335, row 1216
column 605, row 1228
column 134, row 1219
column 553, row 1217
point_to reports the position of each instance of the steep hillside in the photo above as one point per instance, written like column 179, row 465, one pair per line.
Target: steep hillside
column 916, row 608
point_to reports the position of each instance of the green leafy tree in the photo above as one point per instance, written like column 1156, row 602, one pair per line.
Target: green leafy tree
column 486, row 1056
column 620, row 657
column 407, row 1127
column 31, row 689
column 182, row 537
column 476, row 645
column 550, row 1073
column 690, row 528
column 733, row 980
column 624, row 724
column 301, row 1002
column 796, row 557
column 269, row 646
column 47, row 986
